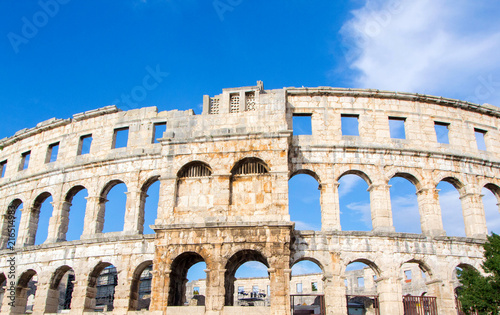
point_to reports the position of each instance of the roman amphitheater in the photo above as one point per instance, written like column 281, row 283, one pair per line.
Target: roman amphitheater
column 223, row 178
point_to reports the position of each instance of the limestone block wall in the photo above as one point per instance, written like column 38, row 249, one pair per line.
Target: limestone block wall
column 224, row 194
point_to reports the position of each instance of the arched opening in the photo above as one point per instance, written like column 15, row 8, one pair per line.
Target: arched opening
column 404, row 204
column 246, row 280
column 25, row 292
column 307, row 288
column 113, row 206
column 140, row 288
column 413, row 278
column 304, row 204
column 102, row 282
column 3, row 283
column 177, row 294
column 491, row 203
column 457, row 285
column 354, row 200
column 197, row 284
column 194, row 189
column 150, row 194
column 76, row 204
column 361, row 287
column 60, row 290
column 251, row 187
column 11, row 222
column 41, row 214
column 451, row 207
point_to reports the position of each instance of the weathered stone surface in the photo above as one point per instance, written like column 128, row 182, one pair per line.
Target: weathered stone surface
column 233, row 215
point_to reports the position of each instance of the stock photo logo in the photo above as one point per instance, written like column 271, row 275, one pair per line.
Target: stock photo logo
column 31, row 26
column 221, row 7
column 138, row 93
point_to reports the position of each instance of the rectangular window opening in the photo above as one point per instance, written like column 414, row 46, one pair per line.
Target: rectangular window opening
column 241, row 289
column 120, row 138
column 314, row 286
column 159, row 129
column 299, row 287
column 250, row 101
column 234, row 105
column 25, row 160
column 84, row 145
column 442, row 130
column 350, row 125
column 397, row 127
column 302, row 124
column 480, row 139
column 407, row 275
column 52, row 152
column 196, row 291
column 361, row 282
column 3, row 167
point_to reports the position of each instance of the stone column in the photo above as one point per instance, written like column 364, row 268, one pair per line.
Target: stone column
column 58, row 224
column 46, row 299
column 330, row 206
column 132, row 212
column 430, row 212
column 474, row 218
column 445, row 296
column 334, row 291
column 6, row 307
column 390, row 295
column 83, row 296
column 215, row 294
column 280, row 290
column 94, row 216
column 380, row 203
column 166, row 200
column 20, row 303
column 221, row 191
column 159, row 289
column 122, row 293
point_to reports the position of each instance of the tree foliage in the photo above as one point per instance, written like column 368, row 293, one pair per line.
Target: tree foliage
column 478, row 292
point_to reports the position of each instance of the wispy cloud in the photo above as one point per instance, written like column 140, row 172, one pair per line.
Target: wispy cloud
column 362, row 209
column 491, row 211
column 300, row 225
column 451, row 212
column 348, row 183
column 447, row 48
column 405, row 214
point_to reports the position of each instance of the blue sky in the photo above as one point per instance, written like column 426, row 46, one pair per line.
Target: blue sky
column 58, row 58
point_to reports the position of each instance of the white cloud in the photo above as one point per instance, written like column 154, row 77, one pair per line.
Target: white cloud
column 446, row 48
column 405, row 214
column 362, row 209
column 491, row 211
column 348, row 183
column 300, row 225
column 451, row 212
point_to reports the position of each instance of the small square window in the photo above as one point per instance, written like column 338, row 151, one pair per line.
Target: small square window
column 25, row 160
column 361, row 282
column 85, row 144
column 120, row 138
column 350, row 125
column 302, row 124
column 3, row 167
column 407, row 275
column 397, row 127
column 299, row 287
column 314, row 286
column 480, row 136
column 442, row 130
column 52, row 152
column 196, row 291
column 159, row 129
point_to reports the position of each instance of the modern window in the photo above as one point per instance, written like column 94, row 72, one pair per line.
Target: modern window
column 159, row 129
column 25, row 160
column 52, row 152
column 442, row 130
column 302, row 124
column 480, row 139
column 84, row 144
column 397, row 127
column 120, row 138
column 349, row 125
column 3, row 167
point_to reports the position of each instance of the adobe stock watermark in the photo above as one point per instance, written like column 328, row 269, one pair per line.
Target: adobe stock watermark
column 375, row 24
column 221, row 7
column 31, row 27
column 484, row 90
column 138, row 93
column 11, row 243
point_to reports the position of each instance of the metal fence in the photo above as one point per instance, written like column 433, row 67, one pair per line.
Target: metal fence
column 419, row 305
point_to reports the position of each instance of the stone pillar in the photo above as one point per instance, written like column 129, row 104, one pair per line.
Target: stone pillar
column 215, row 293
column 20, row 303
column 160, row 285
column 430, row 212
column 474, row 218
column 445, row 296
column 94, row 216
column 330, row 206
column 334, row 291
column 58, row 224
column 122, row 293
column 83, row 295
column 166, row 200
column 46, row 299
column 380, row 203
column 6, row 307
column 280, row 290
column 390, row 295
column 132, row 212
column 221, row 190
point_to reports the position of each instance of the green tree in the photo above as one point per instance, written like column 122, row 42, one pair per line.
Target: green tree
column 478, row 292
